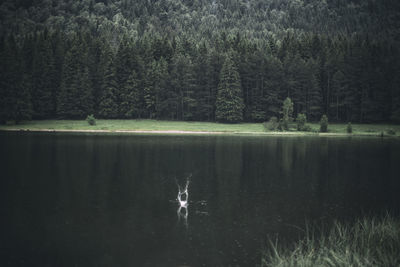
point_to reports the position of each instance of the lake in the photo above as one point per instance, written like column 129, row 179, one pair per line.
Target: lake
column 110, row 200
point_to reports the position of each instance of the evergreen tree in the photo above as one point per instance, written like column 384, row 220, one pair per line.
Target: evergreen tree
column 123, row 68
column 338, row 92
column 108, row 105
column 183, row 84
column 323, row 124
column 58, row 43
column 255, row 75
column 43, row 78
column 202, row 90
column 395, row 101
column 287, row 113
column 23, row 105
column 96, row 59
column 273, row 87
column 313, row 102
column 229, row 103
column 130, row 103
column 166, row 98
column 152, row 89
column 9, row 79
column 215, row 61
column 75, row 99
column 15, row 97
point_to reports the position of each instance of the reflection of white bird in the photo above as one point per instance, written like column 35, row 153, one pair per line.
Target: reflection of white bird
column 183, row 195
column 183, row 199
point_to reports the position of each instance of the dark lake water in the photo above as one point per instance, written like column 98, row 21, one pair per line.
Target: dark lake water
column 106, row 200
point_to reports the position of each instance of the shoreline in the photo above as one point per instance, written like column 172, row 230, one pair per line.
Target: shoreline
column 156, row 127
column 182, row 132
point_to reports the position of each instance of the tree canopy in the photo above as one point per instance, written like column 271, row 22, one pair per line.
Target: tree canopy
column 168, row 59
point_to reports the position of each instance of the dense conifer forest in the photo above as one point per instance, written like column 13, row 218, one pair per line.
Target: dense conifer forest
column 200, row 60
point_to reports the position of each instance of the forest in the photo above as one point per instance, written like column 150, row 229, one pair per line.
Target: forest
column 200, row 60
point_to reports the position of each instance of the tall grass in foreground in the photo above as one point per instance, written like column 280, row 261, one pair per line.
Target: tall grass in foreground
column 367, row 242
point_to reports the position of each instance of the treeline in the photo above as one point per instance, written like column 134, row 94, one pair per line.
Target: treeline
column 52, row 74
column 199, row 59
column 202, row 19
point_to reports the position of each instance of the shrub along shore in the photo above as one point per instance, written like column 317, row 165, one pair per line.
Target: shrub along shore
column 180, row 127
column 367, row 242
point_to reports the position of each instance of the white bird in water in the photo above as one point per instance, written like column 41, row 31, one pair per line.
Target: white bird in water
column 183, row 199
column 183, row 195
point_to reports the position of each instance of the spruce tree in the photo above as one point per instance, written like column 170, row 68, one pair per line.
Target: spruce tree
column 96, row 73
column 395, row 103
column 3, row 83
column 338, row 91
column 23, row 105
column 164, row 93
column 229, row 103
column 215, row 61
column 9, row 79
column 58, row 44
column 150, row 90
column 130, row 98
column 122, row 68
column 287, row 113
column 273, row 86
column 108, row 105
column 313, row 101
column 75, row 99
column 202, row 90
column 43, row 78
column 183, row 84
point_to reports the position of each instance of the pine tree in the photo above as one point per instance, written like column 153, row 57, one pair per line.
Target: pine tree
column 273, row 87
column 85, row 93
column 43, row 78
column 354, row 71
column 58, row 59
column 96, row 68
column 75, row 99
column 123, row 68
column 130, row 97
column 229, row 103
column 395, row 103
column 9, row 78
column 164, row 109
column 202, row 90
column 108, row 105
column 23, row 105
column 287, row 113
column 151, row 89
column 183, row 84
column 313, row 102
column 215, row 61
column 252, row 77
column 15, row 98
column 3, row 82
column 338, row 92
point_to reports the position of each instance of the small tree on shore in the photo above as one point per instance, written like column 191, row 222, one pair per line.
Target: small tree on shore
column 301, row 121
column 287, row 112
column 272, row 124
column 91, row 119
column 323, row 124
column 349, row 128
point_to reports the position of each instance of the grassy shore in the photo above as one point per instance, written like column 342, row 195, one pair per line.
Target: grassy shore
column 190, row 127
column 368, row 242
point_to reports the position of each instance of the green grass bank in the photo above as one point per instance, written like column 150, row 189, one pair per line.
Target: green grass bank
column 367, row 242
column 177, row 127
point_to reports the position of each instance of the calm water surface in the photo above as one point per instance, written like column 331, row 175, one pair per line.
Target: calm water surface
column 105, row 200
